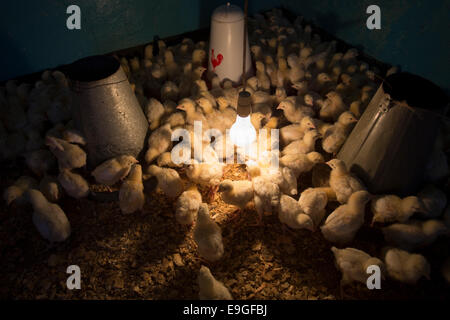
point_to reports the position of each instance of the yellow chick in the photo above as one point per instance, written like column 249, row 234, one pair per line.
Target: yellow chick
column 169, row 180
column 343, row 183
column 48, row 218
column 208, row 235
column 406, row 267
column 113, row 170
column 131, row 193
column 187, row 206
column 343, row 223
column 210, row 288
column 16, row 191
column 73, row 184
column 237, row 193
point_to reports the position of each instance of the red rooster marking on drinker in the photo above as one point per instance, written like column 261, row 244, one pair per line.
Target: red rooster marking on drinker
column 216, row 61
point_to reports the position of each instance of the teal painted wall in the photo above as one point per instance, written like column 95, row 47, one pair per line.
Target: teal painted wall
column 414, row 33
column 33, row 34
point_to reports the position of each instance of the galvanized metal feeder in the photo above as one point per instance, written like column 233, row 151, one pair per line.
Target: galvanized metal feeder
column 391, row 143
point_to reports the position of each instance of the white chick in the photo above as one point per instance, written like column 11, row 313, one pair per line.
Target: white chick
column 406, row 267
column 296, row 131
column 131, row 193
column 169, row 180
column 49, row 219
column 208, row 235
column 237, row 193
column 50, row 188
column 336, row 135
column 70, row 156
column 293, row 113
column 391, row 208
column 17, row 190
column 266, row 192
column 288, row 183
column 343, row 223
column 414, row 234
column 305, row 145
column 158, row 142
column 313, row 201
column 332, row 107
column 433, row 201
column 73, row 184
column 189, row 106
column 205, row 174
column 40, row 161
column 301, row 163
column 113, row 170
column 154, row 110
column 291, row 214
column 210, row 288
column 187, row 205
column 175, row 120
column 353, row 264
column 262, row 76
column 73, row 136
column 343, row 183
column 165, row 160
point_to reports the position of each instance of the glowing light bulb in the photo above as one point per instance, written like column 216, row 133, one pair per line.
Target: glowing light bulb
column 242, row 132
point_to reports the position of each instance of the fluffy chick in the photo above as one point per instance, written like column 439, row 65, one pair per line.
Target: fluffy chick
column 353, row 264
column 304, row 145
column 237, row 193
column 210, row 288
column 187, row 205
column 50, row 188
column 313, row 201
column 154, row 111
column 73, row 184
column 131, row 193
column 413, row 234
column 293, row 113
column 300, row 163
column 113, row 170
column 16, row 192
column 49, row 219
column 70, row 156
column 169, row 180
column 336, row 135
column 208, row 235
column 343, row 223
column 296, row 131
column 406, row 267
column 291, row 214
column 158, row 142
column 391, row 208
column 343, row 183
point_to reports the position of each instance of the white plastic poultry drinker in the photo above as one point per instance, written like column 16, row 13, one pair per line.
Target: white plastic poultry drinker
column 227, row 44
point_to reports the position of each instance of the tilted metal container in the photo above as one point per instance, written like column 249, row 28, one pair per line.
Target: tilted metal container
column 391, row 143
column 106, row 110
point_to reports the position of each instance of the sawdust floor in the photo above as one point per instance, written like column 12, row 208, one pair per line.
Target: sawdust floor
column 147, row 255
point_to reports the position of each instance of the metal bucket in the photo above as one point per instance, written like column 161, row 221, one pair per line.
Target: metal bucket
column 391, row 143
column 106, row 110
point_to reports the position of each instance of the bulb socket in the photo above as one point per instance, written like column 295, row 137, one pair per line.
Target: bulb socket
column 244, row 107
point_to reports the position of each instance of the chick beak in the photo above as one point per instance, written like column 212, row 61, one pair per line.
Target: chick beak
column 180, row 107
column 280, row 107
